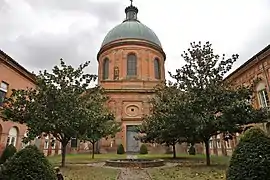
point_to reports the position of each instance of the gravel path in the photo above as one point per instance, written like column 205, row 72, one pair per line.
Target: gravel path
column 133, row 174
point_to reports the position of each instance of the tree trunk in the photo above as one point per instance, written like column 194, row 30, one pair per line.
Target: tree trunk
column 93, row 150
column 64, row 148
column 207, row 153
column 174, row 151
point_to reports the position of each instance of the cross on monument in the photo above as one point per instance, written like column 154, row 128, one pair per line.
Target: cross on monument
column 131, row 2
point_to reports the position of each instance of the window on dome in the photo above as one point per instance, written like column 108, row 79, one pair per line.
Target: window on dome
column 105, row 69
column 157, row 68
column 131, row 15
column 131, row 65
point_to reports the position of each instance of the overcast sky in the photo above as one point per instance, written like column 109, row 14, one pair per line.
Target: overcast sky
column 37, row 33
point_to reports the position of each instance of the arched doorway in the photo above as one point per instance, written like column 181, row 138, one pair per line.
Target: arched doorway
column 12, row 136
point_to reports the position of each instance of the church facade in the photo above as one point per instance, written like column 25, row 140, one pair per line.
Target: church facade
column 130, row 64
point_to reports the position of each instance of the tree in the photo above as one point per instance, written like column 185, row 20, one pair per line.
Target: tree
column 251, row 158
column 9, row 151
column 143, row 149
column 100, row 122
column 120, row 149
column 55, row 106
column 170, row 121
column 212, row 100
column 29, row 163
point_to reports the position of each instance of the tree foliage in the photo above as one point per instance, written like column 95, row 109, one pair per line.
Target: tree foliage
column 29, row 163
column 170, row 121
column 216, row 106
column 100, row 122
column 143, row 149
column 56, row 106
column 251, row 158
column 120, row 149
column 9, row 151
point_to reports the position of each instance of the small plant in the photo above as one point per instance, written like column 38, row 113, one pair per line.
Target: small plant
column 9, row 151
column 28, row 163
column 192, row 150
column 251, row 158
column 143, row 149
column 120, row 149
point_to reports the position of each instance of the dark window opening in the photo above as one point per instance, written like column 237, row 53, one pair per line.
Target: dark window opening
column 3, row 92
column 105, row 69
column 157, row 68
column 263, row 98
column 131, row 65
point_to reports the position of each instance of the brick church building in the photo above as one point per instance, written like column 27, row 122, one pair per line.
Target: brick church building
column 131, row 63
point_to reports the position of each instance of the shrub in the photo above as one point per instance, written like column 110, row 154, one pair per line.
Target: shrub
column 192, row 150
column 9, row 151
column 143, row 149
column 29, row 163
column 120, row 149
column 251, row 158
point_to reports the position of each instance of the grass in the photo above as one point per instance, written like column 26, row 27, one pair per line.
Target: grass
column 86, row 158
column 189, row 173
column 83, row 158
column 193, row 168
column 88, row 173
column 189, row 167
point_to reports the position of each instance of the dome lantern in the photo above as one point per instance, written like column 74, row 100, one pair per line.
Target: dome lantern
column 131, row 12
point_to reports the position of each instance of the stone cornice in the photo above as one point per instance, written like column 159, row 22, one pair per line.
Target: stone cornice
column 248, row 64
column 131, row 42
column 130, row 90
column 157, row 81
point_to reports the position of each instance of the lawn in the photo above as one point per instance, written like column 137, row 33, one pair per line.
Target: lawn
column 193, row 167
column 189, row 173
column 88, row 173
column 189, row 167
column 86, row 158
column 83, row 158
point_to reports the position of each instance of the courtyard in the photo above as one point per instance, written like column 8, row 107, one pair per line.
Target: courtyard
column 82, row 167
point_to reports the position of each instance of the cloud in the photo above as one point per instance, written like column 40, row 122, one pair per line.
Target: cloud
column 105, row 11
column 37, row 33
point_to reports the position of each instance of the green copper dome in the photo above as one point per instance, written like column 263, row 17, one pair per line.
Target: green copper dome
column 131, row 28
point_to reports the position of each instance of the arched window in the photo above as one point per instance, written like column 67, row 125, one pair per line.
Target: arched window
column 157, row 68
column 105, row 69
column 262, row 95
column 131, row 65
column 12, row 136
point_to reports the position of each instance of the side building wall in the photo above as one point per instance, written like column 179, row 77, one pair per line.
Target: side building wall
column 255, row 69
column 14, row 76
